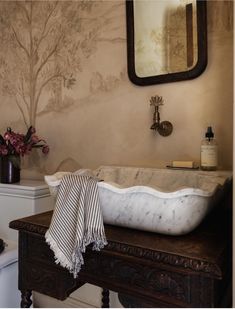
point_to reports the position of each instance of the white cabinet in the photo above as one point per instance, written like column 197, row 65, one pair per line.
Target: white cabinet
column 20, row 200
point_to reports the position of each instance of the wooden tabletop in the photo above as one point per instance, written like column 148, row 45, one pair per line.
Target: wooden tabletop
column 206, row 244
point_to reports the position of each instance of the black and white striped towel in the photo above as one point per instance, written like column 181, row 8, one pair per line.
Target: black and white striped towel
column 76, row 222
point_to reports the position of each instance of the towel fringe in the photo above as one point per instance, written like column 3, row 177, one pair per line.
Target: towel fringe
column 60, row 258
column 97, row 238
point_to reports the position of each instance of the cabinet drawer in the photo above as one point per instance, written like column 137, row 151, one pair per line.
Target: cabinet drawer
column 157, row 283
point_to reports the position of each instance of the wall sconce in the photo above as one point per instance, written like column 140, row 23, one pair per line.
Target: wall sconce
column 164, row 128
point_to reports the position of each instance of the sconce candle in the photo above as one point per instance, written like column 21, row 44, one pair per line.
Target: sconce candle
column 164, row 128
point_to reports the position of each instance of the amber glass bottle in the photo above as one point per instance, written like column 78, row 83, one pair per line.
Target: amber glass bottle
column 209, row 152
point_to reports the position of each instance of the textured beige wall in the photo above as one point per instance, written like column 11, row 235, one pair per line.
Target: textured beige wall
column 108, row 119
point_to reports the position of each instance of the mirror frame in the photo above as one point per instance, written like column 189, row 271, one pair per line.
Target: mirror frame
column 170, row 77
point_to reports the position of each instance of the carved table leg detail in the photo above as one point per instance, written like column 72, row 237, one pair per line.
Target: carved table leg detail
column 26, row 301
column 105, row 298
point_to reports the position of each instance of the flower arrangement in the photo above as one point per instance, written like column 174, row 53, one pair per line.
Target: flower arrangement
column 17, row 144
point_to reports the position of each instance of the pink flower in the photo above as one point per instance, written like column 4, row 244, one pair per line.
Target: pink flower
column 16, row 143
column 7, row 136
column 45, row 149
column 35, row 139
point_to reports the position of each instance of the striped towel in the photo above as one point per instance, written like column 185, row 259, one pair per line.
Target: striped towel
column 76, row 222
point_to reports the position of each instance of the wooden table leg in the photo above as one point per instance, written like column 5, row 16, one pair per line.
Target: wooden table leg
column 105, row 298
column 26, row 301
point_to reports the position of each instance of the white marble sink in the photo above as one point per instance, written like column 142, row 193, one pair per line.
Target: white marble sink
column 172, row 202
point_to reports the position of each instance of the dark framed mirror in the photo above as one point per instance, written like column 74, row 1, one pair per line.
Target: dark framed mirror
column 166, row 40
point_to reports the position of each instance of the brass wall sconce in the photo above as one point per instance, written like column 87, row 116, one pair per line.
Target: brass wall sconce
column 164, row 128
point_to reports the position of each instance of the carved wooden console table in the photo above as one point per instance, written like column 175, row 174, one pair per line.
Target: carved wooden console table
column 158, row 271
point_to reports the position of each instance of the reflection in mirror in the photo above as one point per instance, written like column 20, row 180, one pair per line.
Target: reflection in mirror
column 166, row 40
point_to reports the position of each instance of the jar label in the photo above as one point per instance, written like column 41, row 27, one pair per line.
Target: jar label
column 209, row 155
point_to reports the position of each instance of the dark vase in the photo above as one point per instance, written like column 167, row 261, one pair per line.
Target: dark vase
column 9, row 169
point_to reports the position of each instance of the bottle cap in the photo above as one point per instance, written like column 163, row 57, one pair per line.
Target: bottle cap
column 209, row 133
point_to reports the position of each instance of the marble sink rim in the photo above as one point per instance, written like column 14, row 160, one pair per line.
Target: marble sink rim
column 55, row 179
column 159, row 192
column 156, row 191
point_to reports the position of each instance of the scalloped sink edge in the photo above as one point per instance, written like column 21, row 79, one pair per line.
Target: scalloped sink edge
column 172, row 202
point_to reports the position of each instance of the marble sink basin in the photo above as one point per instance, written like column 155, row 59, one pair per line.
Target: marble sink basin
column 165, row 201
column 172, row 202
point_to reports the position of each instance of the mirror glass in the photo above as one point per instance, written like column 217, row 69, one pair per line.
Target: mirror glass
column 166, row 40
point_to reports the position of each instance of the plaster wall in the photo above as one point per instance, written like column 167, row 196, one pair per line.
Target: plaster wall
column 105, row 119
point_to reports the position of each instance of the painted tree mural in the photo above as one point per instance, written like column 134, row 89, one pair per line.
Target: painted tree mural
column 42, row 46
